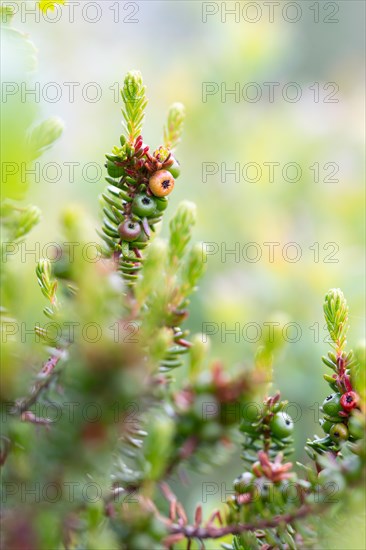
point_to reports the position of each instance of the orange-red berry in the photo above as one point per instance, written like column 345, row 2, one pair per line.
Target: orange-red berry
column 349, row 400
column 161, row 183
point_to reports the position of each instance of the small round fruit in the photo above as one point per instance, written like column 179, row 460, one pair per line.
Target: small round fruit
column 326, row 425
column 355, row 428
column 331, row 404
column 144, row 206
column 129, row 230
column 113, row 170
column 281, row 425
column 174, row 169
column 161, row 183
column 338, row 432
column 161, row 204
column 349, row 400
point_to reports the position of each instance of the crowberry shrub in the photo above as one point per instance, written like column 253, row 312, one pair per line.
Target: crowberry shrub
column 134, row 426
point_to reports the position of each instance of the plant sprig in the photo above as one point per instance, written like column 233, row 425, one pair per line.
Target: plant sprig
column 48, row 284
column 336, row 317
column 174, row 126
column 134, row 99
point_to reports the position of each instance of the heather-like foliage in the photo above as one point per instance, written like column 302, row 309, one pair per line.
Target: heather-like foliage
column 89, row 453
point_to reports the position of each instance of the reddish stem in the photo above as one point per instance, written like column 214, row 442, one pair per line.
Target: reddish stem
column 213, row 532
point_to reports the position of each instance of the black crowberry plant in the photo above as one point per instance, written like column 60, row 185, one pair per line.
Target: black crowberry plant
column 97, row 473
column 139, row 181
column 342, row 420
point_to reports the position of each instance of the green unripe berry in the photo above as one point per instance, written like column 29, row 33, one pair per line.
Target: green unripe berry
column 355, row 428
column 113, row 170
column 144, row 206
column 281, row 425
column 161, row 204
column 331, row 405
column 129, row 230
column 174, row 169
column 339, row 432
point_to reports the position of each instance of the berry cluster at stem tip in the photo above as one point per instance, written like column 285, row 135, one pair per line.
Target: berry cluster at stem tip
column 139, row 181
column 341, row 421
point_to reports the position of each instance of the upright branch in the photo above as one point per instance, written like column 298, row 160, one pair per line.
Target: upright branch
column 340, row 422
column 174, row 126
column 134, row 101
column 269, row 497
column 336, row 317
column 45, row 281
column 139, row 184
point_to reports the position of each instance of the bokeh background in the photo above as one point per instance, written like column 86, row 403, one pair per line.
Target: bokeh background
column 177, row 53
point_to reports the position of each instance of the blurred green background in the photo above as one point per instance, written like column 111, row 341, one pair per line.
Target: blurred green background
column 177, row 53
